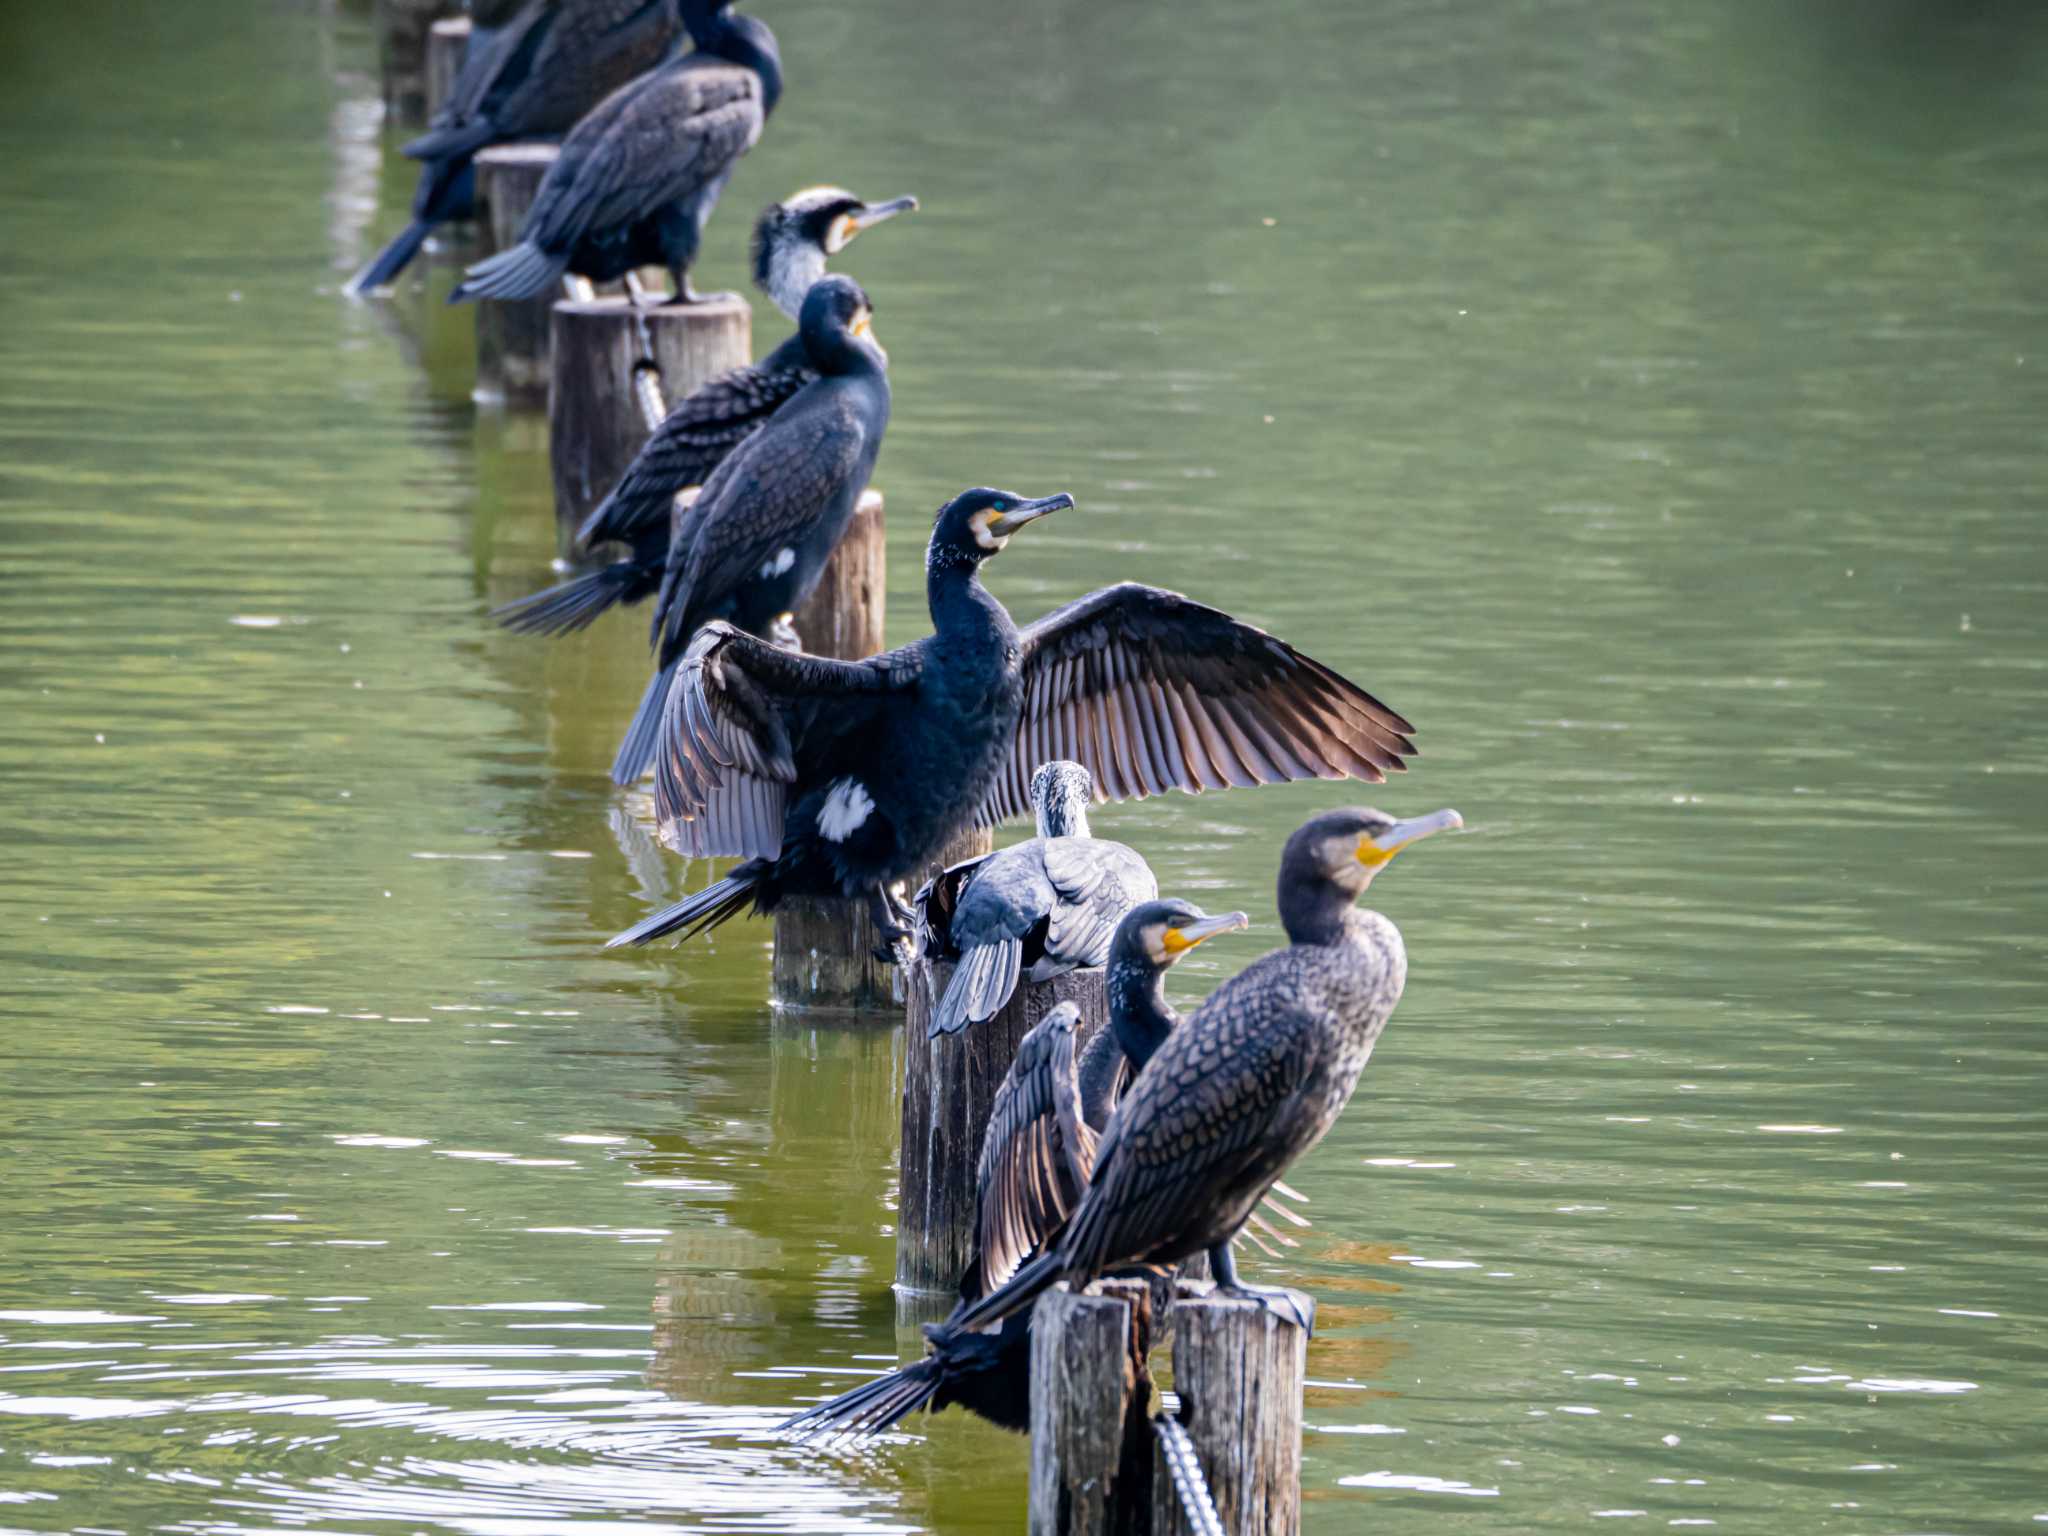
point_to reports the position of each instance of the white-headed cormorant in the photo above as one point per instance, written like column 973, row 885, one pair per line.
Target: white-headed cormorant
column 1036, row 909
column 1037, row 1156
column 792, row 241
column 838, row 778
column 757, row 538
column 639, row 175
column 1248, row 1083
column 528, row 75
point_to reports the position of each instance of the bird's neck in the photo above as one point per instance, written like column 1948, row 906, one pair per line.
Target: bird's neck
column 788, row 274
column 962, row 608
column 1317, row 913
column 749, row 44
column 1139, row 1012
column 1062, row 818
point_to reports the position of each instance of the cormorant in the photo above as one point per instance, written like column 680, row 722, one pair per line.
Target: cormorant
column 639, row 175
column 1246, row 1085
column 1037, row 909
column 792, row 240
column 840, row 778
column 756, row 541
column 528, row 75
column 1036, row 1157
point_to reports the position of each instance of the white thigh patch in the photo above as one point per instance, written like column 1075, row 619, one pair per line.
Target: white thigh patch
column 846, row 806
column 772, row 568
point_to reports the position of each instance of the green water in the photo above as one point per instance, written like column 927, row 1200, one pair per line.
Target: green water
column 1645, row 398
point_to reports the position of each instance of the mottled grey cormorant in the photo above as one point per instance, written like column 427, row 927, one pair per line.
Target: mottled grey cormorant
column 528, row 75
column 1037, row 909
column 841, row 778
column 1037, row 1155
column 757, row 539
column 639, row 175
column 1247, row 1084
column 792, row 241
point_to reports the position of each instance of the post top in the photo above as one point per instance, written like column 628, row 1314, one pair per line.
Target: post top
column 719, row 308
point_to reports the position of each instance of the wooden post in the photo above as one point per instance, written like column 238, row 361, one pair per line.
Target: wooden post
column 402, row 27
column 1237, row 1369
column 447, row 42
column 594, row 420
column 1091, row 1449
column 511, row 338
column 949, row 1085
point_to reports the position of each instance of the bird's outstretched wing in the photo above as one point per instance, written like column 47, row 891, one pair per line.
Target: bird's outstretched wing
column 762, row 500
column 1098, row 882
column 1036, row 1155
column 691, row 442
column 1214, row 1116
column 654, row 140
column 742, row 722
column 1151, row 691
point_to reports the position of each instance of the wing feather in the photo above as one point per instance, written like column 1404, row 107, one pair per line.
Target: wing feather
column 1036, row 1155
column 1151, row 691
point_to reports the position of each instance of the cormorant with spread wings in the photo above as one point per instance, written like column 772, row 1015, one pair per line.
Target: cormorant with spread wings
column 840, row 779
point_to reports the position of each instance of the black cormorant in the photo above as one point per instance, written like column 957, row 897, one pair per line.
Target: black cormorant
column 527, row 75
column 639, row 175
column 1036, row 909
column 1247, row 1084
column 1037, row 1155
column 792, row 241
column 840, row 778
column 757, row 539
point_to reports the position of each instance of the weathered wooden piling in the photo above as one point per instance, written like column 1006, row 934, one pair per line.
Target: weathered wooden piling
column 511, row 338
column 949, row 1085
column 402, row 27
column 447, row 43
column 1238, row 1369
column 596, row 347
column 1092, row 1467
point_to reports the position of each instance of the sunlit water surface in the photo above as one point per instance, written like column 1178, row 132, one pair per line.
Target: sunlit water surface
column 1645, row 398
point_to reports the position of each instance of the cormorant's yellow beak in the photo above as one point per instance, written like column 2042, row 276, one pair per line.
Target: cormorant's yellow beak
column 1180, row 938
column 863, row 323
column 871, row 214
column 1375, row 851
column 1003, row 524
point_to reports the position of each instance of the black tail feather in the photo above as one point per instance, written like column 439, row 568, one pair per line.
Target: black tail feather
column 871, row 1407
column 573, row 604
column 705, row 910
column 636, row 752
column 981, row 984
column 523, row 272
column 1008, row 1299
column 391, row 261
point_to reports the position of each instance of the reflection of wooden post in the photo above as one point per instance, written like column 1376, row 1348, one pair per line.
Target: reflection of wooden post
column 594, row 419
column 1091, row 1448
column 1238, row 1369
column 402, row 27
column 447, row 42
column 949, row 1085
column 511, row 338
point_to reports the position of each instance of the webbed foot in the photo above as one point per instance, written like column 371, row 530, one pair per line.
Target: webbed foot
column 782, row 634
column 1278, row 1300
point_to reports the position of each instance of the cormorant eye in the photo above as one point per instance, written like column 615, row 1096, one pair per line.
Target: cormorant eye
column 999, row 505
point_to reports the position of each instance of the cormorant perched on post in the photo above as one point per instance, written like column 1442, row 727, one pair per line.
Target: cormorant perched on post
column 757, row 539
column 1246, row 1085
column 528, row 75
column 1036, row 909
column 792, row 241
column 1037, row 1155
column 639, row 175
column 840, row 778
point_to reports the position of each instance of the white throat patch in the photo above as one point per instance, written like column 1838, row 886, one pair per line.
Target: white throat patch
column 845, row 808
